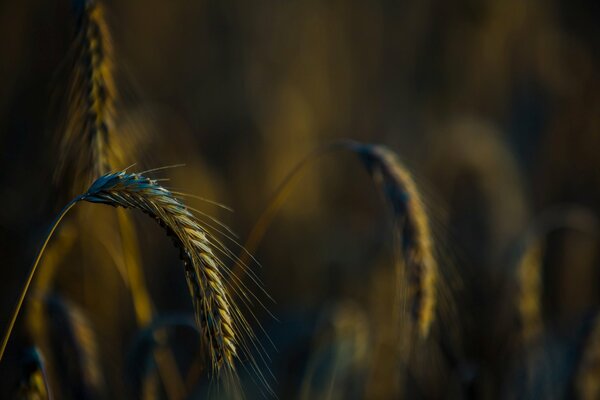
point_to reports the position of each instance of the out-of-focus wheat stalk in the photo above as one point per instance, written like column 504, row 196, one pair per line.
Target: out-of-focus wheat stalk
column 90, row 147
column 414, row 238
column 412, row 229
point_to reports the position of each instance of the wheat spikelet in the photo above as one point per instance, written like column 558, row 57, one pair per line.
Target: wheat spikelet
column 216, row 315
column 421, row 268
column 411, row 222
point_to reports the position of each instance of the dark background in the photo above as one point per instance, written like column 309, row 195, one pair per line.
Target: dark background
column 493, row 105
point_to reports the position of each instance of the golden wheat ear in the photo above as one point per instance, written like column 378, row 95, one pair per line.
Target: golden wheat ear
column 227, row 332
column 141, row 366
column 33, row 382
column 87, row 148
column 415, row 244
column 412, row 230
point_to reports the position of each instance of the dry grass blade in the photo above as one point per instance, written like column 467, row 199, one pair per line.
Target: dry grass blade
column 412, row 225
column 33, row 384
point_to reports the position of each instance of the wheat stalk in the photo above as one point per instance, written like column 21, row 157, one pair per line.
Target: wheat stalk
column 222, row 323
column 412, row 226
column 410, row 218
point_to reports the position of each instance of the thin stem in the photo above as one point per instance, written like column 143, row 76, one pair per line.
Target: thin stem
column 281, row 193
column 15, row 314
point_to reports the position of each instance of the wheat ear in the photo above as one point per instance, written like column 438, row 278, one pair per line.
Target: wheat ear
column 87, row 144
column 91, row 148
column 410, row 218
column 221, row 322
column 412, row 225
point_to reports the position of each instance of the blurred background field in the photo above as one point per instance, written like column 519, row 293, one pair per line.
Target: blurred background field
column 494, row 106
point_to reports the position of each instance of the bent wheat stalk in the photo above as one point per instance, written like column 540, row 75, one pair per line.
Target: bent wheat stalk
column 410, row 218
column 412, row 225
column 221, row 322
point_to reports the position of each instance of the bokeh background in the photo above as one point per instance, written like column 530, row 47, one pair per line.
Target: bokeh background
column 493, row 105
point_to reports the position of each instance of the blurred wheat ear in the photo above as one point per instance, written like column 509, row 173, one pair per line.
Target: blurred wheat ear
column 75, row 357
column 419, row 269
column 412, row 230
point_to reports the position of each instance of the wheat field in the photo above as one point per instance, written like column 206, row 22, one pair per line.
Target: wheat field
column 299, row 199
